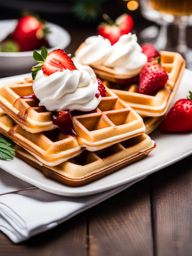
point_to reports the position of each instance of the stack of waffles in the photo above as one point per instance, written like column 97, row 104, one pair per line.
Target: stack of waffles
column 106, row 139
column 151, row 108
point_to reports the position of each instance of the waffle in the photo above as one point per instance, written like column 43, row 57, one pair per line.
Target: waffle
column 157, row 105
column 50, row 148
column 151, row 123
column 89, row 166
column 113, row 121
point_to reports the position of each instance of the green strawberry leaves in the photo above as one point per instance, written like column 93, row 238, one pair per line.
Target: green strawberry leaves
column 40, row 58
column 189, row 97
column 7, row 149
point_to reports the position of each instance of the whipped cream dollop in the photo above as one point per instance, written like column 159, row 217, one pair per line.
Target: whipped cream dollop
column 69, row 90
column 94, row 50
column 124, row 57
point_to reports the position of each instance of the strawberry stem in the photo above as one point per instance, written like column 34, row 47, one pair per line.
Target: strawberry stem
column 108, row 19
column 189, row 97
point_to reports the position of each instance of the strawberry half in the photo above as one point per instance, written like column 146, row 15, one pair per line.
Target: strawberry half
column 114, row 30
column 56, row 60
column 152, row 78
column 179, row 118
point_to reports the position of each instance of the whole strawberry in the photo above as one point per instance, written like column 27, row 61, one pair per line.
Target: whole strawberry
column 179, row 118
column 114, row 30
column 150, row 51
column 29, row 33
column 152, row 78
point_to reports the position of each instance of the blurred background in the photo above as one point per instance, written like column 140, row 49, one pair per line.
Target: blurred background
column 166, row 24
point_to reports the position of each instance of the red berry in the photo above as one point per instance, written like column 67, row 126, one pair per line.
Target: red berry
column 150, row 51
column 63, row 120
column 152, row 79
column 101, row 88
column 114, row 30
column 179, row 118
column 29, row 33
column 57, row 60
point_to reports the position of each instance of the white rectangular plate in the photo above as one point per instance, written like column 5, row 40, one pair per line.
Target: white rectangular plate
column 170, row 149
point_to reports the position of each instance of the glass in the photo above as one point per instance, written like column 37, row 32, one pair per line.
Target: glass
column 152, row 34
column 173, row 7
column 180, row 11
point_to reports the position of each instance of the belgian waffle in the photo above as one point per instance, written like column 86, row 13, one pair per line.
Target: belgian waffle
column 157, row 105
column 113, row 121
column 151, row 123
column 50, row 148
column 89, row 166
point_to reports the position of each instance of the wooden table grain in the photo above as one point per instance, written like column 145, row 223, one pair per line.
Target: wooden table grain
column 153, row 217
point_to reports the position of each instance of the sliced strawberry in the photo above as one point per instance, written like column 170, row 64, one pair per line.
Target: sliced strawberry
column 57, row 60
column 101, row 88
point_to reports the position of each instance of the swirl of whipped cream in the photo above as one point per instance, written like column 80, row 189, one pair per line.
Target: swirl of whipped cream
column 126, row 56
column 94, row 50
column 70, row 90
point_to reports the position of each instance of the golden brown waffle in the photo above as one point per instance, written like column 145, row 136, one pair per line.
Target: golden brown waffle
column 89, row 166
column 25, row 112
column 151, row 123
column 112, row 122
column 157, row 105
column 50, row 148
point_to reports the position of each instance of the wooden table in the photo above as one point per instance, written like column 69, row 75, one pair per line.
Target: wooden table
column 154, row 217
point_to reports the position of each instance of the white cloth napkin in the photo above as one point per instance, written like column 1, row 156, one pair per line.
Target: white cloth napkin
column 26, row 211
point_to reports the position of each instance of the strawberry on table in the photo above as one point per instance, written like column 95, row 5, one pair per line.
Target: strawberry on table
column 152, row 78
column 30, row 33
column 179, row 118
column 150, row 51
column 114, row 30
column 56, row 60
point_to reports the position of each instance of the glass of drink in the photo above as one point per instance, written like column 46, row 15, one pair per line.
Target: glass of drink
column 152, row 34
column 181, row 11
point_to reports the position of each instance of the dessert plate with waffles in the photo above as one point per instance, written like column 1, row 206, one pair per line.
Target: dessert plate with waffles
column 76, row 133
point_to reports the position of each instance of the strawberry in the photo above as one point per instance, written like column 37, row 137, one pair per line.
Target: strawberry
column 56, row 60
column 29, row 33
column 63, row 120
column 179, row 118
column 114, row 30
column 101, row 88
column 150, row 51
column 152, row 78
